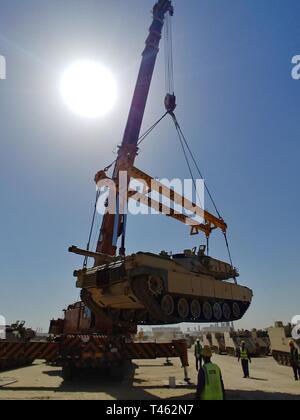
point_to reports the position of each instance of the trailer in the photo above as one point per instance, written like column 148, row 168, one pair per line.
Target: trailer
column 16, row 335
column 74, row 353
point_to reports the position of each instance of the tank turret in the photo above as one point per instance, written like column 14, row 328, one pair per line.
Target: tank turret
column 199, row 262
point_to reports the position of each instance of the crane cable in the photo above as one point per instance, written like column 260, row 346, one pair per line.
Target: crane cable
column 169, row 80
column 186, row 148
column 186, row 157
column 142, row 138
column 91, row 229
column 169, row 62
column 184, row 139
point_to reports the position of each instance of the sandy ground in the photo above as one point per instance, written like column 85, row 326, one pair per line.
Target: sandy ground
column 148, row 381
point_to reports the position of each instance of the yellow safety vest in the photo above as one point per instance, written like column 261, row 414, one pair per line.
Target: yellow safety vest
column 213, row 390
column 244, row 354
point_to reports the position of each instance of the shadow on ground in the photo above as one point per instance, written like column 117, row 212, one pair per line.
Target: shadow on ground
column 236, row 395
column 96, row 383
column 260, row 395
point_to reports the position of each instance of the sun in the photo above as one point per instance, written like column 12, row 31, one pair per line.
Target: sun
column 88, row 89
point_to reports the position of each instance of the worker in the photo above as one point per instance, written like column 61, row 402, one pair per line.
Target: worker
column 210, row 385
column 244, row 356
column 295, row 362
column 198, row 354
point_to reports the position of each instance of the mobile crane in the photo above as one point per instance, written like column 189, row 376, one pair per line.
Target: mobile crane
column 123, row 291
column 145, row 288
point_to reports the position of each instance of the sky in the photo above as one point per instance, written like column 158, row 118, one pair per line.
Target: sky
column 237, row 104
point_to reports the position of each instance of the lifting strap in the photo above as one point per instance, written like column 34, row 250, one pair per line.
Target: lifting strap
column 91, row 229
column 187, row 150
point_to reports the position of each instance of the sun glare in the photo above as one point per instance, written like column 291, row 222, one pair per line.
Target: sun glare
column 88, row 89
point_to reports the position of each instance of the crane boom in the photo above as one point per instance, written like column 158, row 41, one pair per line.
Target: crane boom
column 114, row 224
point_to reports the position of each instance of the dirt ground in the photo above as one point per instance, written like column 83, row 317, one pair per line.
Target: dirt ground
column 148, row 380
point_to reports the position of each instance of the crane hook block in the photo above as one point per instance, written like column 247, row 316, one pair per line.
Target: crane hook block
column 170, row 102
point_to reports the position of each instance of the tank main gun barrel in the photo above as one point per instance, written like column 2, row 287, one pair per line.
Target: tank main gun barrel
column 96, row 255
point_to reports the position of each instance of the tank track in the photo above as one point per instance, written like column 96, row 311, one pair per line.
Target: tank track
column 282, row 358
column 152, row 314
column 153, row 306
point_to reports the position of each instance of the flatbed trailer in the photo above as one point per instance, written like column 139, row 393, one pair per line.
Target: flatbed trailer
column 77, row 352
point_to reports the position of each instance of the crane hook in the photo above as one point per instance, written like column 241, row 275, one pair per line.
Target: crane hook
column 170, row 103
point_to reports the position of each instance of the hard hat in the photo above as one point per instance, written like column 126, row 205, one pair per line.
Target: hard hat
column 207, row 353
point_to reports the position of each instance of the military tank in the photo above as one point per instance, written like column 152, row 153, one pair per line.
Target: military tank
column 160, row 289
column 17, row 332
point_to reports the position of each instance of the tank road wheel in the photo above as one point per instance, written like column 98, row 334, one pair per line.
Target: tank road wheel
column 183, row 308
column 217, row 310
column 167, row 305
column 207, row 311
column 236, row 310
column 155, row 285
column 226, row 311
column 195, row 309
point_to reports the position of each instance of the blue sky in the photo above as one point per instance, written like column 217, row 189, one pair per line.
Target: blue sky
column 237, row 104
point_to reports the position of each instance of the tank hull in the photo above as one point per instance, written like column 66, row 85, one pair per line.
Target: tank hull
column 149, row 289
